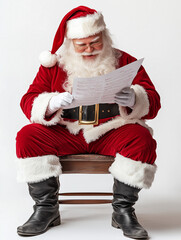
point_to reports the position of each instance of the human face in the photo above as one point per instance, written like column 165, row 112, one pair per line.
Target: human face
column 89, row 46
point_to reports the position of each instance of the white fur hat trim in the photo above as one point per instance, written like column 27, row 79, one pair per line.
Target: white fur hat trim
column 85, row 26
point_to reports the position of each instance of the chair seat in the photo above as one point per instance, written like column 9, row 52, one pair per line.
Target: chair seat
column 86, row 164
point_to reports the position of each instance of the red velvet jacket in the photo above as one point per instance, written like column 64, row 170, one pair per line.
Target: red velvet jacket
column 48, row 82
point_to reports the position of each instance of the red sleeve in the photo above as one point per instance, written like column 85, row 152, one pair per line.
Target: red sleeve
column 142, row 79
column 41, row 83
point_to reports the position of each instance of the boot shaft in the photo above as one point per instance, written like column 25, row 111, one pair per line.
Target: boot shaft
column 124, row 217
column 46, row 192
column 124, row 196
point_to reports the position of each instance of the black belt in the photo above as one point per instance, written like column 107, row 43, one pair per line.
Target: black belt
column 87, row 114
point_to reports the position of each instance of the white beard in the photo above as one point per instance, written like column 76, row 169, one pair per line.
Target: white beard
column 75, row 66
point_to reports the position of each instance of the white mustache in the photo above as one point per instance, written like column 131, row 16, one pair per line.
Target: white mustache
column 90, row 54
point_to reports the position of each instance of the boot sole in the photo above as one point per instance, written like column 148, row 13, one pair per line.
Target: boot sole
column 118, row 226
column 54, row 223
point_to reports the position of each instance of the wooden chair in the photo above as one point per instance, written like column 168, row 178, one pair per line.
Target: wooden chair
column 89, row 164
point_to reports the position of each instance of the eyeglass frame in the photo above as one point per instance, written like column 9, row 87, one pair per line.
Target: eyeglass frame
column 94, row 44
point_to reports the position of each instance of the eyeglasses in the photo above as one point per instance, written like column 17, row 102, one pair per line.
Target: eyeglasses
column 84, row 46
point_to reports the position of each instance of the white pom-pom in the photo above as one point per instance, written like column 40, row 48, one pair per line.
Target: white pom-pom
column 47, row 59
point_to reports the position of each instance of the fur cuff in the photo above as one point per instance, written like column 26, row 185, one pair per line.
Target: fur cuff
column 133, row 173
column 37, row 169
column 141, row 107
column 39, row 108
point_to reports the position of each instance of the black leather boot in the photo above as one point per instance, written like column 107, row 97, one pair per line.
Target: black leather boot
column 124, row 197
column 46, row 208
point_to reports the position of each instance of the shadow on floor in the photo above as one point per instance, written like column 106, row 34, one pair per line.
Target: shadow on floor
column 161, row 216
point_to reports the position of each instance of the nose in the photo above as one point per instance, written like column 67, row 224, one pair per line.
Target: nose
column 89, row 49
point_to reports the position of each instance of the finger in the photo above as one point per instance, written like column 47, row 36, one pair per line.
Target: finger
column 68, row 95
column 123, row 97
column 64, row 103
column 122, row 94
column 68, row 99
column 65, row 95
column 122, row 102
column 126, row 90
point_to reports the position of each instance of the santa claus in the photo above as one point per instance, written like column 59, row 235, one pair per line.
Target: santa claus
column 56, row 130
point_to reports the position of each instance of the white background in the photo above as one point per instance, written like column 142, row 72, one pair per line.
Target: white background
column 143, row 28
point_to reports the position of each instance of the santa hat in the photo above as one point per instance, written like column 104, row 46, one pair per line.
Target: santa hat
column 80, row 22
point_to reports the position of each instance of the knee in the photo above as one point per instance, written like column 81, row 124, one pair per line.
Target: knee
column 144, row 139
column 139, row 144
column 25, row 135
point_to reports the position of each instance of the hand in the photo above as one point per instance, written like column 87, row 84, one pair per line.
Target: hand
column 61, row 100
column 126, row 97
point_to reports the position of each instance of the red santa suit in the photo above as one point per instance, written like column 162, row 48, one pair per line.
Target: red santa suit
column 126, row 136
column 120, row 131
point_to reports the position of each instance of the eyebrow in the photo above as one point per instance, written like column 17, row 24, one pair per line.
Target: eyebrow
column 93, row 40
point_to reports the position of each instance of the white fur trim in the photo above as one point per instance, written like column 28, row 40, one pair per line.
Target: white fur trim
column 74, row 127
column 93, row 133
column 96, row 132
column 85, row 26
column 39, row 108
column 133, row 173
column 47, row 59
column 37, row 169
column 141, row 107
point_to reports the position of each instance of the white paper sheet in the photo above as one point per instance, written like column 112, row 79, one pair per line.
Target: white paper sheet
column 102, row 89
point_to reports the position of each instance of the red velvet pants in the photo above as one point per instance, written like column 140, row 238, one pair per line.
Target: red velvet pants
column 132, row 141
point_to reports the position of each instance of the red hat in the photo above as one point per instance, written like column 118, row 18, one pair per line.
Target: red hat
column 80, row 22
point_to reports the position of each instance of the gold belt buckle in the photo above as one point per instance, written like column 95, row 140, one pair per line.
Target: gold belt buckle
column 96, row 116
